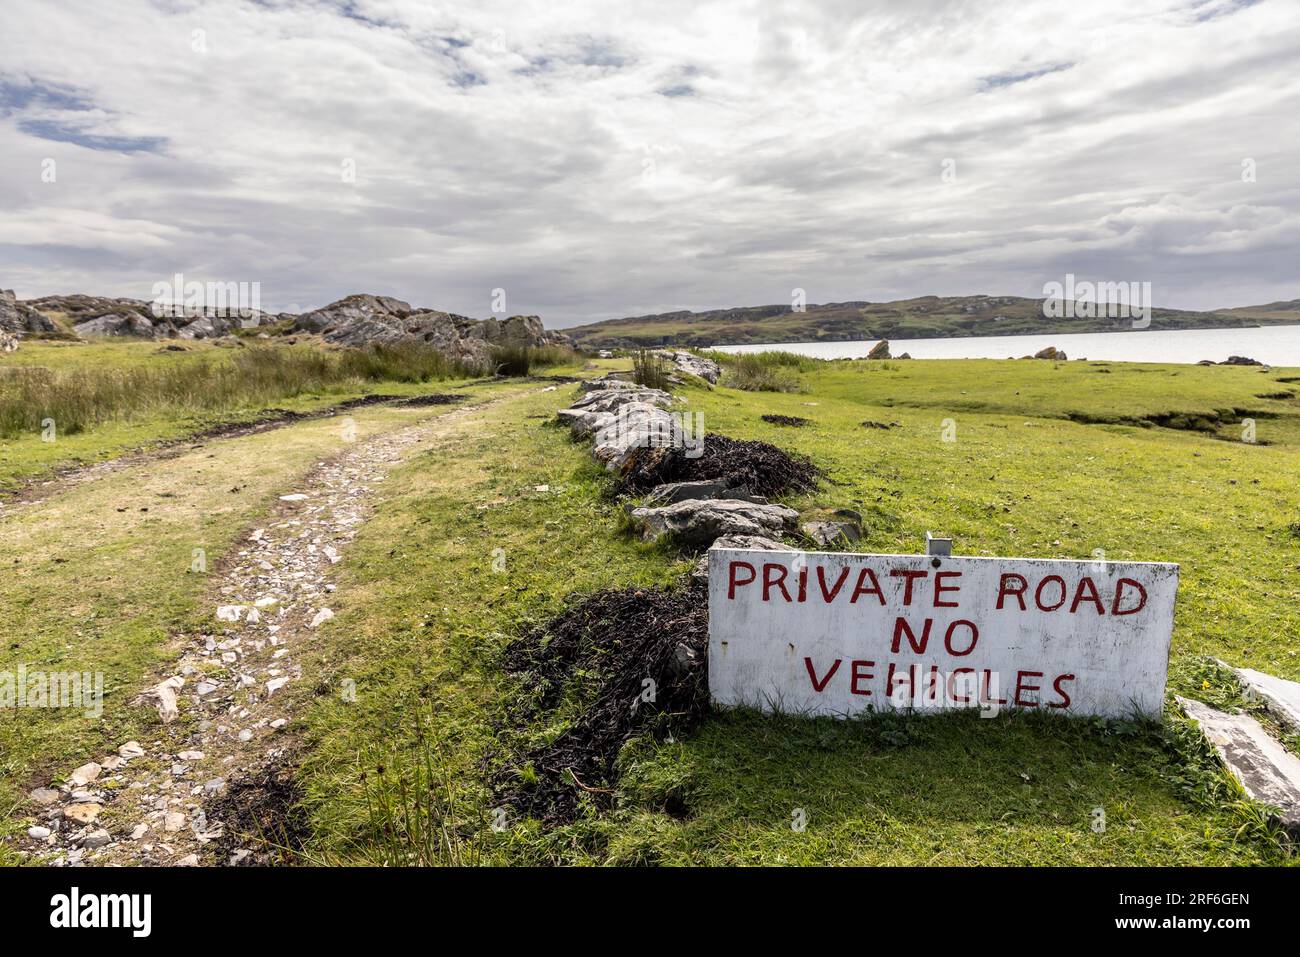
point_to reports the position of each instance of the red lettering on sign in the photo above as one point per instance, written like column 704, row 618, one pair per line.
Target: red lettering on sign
column 803, row 583
column 974, row 637
column 820, row 686
column 1092, row 596
column 889, row 682
column 769, row 583
column 859, row 589
column 952, row 686
column 1038, row 593
column 1056, row 686
column 1018, row 594
column 1021, row 686
column 859, row 675
column 900, row 626
column 909, row 575
column 733, row 581
column 1119, row 591
column 829, row 596
column 984, row 698
column 940, row 588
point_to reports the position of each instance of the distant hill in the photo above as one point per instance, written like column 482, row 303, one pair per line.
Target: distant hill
column 922, row 318
column 1269, row 313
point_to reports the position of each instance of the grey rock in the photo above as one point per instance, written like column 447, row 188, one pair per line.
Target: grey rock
column 44, row 796
column 688, row 362
column 1269, row 773
column 612, row 399
column 697, row 523
column 117, row 324
column 607, row 381
column 97, row 838
column 38, row 833
column 672, row 492
column 753, row 542
column 1280, row 696
column 18, row 316
column 635, row 427
column 826, row 534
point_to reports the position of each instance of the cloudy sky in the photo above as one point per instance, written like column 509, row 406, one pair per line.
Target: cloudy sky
column 600, row 159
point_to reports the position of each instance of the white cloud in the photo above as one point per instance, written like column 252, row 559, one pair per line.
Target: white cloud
column 598, row 160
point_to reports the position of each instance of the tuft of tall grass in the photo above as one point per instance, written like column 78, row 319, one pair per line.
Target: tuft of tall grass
column 415, row 819
column 776, row 358
column 515, row 360
column 650, row 370
column 75, row 400
column 762, row 372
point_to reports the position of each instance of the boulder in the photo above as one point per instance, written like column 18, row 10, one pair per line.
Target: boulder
column 756, row 542
column 607, row 381
column 635, row 426
column 828, row 533
column 673, row 492
column 698, row 523
column 880, row 350
column 8, row 343
column 208, row 327
column 690, row 363
column 609, row 400
column 515, row 331
column 117, row 324
column 1240, row 361
column 1051, row 352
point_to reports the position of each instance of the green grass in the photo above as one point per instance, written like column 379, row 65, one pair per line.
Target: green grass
column 1021, row 478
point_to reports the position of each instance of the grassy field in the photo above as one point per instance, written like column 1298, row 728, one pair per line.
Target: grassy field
column 507, row 518
column 1020, row 479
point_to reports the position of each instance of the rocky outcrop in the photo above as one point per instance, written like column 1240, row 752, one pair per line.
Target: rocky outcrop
column 880, row 350
column 1051, row 352
column 698, row 523
column 18, row 317
column 8, row 343
column 352, row 321
column 364, row 319
column 105, row 316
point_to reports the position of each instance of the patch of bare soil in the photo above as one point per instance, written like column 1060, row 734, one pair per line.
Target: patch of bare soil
column 262, row 812
column 761, row 468
column 638, row 655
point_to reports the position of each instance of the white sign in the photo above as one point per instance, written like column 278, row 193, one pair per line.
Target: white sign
column 822, row 633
